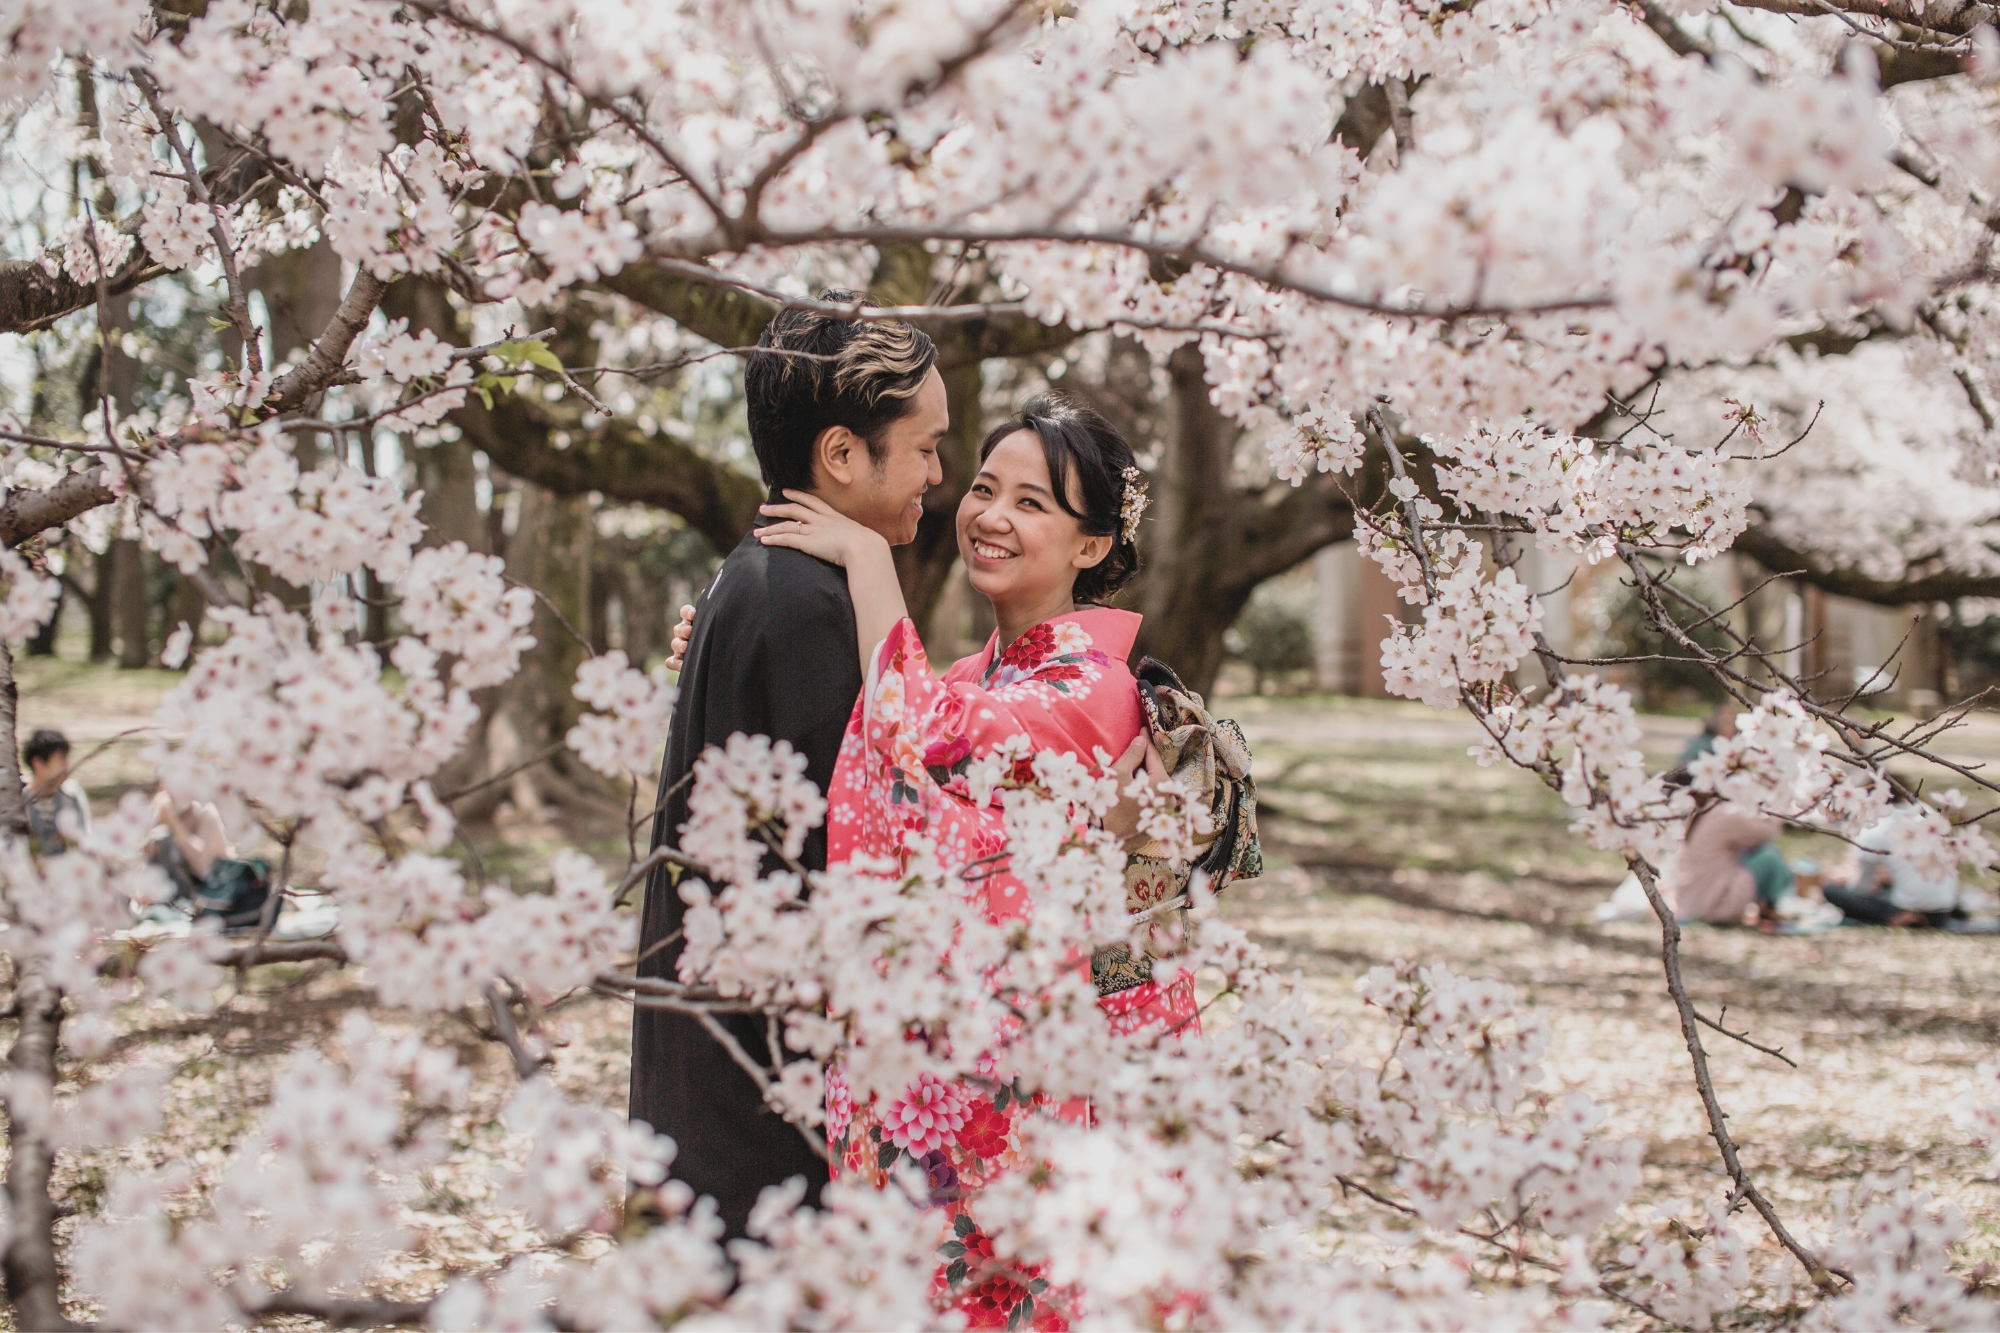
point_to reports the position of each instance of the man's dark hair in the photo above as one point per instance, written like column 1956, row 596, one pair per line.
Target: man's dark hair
column 859, row 373
column 1080, row 443
column 42, row 745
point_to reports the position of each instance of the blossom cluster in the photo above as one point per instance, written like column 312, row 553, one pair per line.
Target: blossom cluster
column 632, row 707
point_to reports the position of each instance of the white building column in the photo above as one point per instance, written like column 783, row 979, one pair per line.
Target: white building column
column 1336, row 615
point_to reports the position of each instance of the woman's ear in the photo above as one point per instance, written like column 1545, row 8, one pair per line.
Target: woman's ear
column 837, row 453
column 1093, row 552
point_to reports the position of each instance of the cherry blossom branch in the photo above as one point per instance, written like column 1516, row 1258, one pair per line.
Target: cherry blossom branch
column 237, row 307
column 634, row 125
column 659, row 856
column 1718, row 1122
column 1745, row 1187
column 526, row 1064
column 326, row 362
column 1188, row 253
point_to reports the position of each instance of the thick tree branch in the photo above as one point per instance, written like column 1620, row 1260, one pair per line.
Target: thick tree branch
column 1900, row 65
column 1940, row 586
column 619, row 460
column 33, row 298
column 725, row 315
column 1954, row 17
column 25, row 513
column 325, row 364
column 13, row 801
column 338, row 1312
column 281, row 951
column 1678, row 39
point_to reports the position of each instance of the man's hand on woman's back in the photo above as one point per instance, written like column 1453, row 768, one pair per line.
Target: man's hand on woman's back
column 683, row 629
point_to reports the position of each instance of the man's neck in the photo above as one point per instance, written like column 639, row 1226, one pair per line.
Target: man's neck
column 1014, row 621
column 842, row 500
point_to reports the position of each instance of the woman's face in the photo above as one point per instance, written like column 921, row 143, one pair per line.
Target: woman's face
column 1017, row 543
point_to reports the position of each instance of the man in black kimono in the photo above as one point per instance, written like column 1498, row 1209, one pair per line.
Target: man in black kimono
column 852, row 410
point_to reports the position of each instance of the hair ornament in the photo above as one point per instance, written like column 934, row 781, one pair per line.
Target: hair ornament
column 1132, row 503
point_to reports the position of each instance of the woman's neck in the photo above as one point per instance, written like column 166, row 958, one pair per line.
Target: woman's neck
column 1017, row 619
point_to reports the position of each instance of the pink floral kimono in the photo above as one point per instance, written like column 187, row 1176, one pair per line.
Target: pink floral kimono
column 1065, row 686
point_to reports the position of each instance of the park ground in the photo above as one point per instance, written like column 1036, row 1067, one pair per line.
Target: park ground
column 1385, row 841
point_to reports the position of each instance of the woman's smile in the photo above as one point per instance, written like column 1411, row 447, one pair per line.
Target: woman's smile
column 986, row 550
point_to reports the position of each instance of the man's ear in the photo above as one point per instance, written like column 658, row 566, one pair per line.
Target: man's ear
column 838, row 453
column 1093, row 552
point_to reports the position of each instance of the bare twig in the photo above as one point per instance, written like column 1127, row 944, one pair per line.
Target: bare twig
column 525, row 1063
column 1744, row 1036
column 659, row 856
column 760, row 1076
column 549, row 753
column 1718, row 1124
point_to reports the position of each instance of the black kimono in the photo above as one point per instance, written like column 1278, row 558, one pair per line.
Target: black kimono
column 773, row 653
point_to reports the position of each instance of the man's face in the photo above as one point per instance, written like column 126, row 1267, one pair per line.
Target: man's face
column 888, row 496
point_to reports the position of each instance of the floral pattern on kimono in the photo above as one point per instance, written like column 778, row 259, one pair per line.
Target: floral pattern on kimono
column 1065, row 686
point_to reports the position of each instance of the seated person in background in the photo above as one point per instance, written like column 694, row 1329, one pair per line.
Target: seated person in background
column 1889, row 891
column 1717, row 725
column 194, row 841
column 1728, row 862
column 55, row 799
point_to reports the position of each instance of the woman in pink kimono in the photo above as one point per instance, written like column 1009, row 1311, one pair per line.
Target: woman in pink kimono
column 1045, row 532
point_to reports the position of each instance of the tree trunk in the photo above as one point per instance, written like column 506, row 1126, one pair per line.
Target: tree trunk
column 1192, row 588
column 550, row 551
column 125, row 563
column 96, row 601
column 43, row 644
column 301, row 290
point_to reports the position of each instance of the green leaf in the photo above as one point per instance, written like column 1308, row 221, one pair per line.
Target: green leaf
column 1039, row 1285
column 1000, row 1097
column 1020, row 1314
column 952, row 1249
column 963, row 1226
column 529, row 352
column 215, row 323
column 886, row 1156
column 955, row 1274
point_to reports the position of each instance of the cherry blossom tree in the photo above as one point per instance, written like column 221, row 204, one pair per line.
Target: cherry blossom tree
column 1466, row 277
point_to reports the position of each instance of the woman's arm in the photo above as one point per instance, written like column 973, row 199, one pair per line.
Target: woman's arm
column 811, row 525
